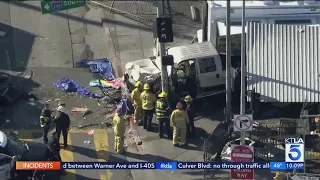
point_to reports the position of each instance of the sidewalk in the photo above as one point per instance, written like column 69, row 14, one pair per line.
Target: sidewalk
column 155, row 149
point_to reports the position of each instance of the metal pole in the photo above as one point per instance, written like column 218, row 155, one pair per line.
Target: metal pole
column 305, row 113
column 164, row 72
column 228, row 64
column 243, row 70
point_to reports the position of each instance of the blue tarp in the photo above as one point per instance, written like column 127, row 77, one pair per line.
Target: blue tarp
column 126, row 106
column 101, row 66
column 69, row 85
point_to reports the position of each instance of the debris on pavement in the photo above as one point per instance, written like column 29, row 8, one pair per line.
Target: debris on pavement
column 86, row 142
column 77, row 109
column 91, row 132
column 86, row 125
column 100, row 66
column 32, row 103
column 116, row 84
column 69, row 85
column 7, row 120
column 48, row 101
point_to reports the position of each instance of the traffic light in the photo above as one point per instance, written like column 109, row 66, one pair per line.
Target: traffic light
column 164, row 30
column 167, row 60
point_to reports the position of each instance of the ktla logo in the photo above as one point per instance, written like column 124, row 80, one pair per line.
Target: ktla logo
column 294, row 150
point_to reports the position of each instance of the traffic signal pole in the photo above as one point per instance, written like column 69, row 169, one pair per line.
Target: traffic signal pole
column 164, row 72
column 228, row 64
column 243, row 70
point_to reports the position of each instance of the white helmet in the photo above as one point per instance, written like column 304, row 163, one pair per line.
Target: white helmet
column 3, row 139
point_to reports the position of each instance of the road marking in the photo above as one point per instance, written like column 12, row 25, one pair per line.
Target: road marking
column 67, row 156
column 101, row 144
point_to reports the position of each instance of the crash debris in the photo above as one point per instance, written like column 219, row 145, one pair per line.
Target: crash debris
column 91, row 132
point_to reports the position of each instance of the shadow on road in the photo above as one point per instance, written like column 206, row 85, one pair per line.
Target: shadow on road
column 24, row 41
column 91, row 153
column 147, row 157
column 19, row 109
column 69, row 175
column 94, row 23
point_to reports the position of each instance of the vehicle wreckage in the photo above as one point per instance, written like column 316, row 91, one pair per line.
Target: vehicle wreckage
column 198, row 70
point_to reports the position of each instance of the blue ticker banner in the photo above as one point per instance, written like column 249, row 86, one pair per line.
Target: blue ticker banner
column 182, row 165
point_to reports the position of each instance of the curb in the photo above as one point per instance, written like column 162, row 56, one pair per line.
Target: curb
column 111, row 51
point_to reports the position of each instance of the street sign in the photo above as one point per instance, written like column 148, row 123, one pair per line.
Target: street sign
column 54, row 5
column 164, row 30
column 242, row 153
column 242, row 122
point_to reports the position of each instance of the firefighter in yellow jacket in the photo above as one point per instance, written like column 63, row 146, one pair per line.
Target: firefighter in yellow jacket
column 179, row 120
column 279, row 176
column 119, row 131
column 137, row 104
column 148, row 103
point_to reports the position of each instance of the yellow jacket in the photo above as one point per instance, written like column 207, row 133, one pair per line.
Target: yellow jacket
column 135, row 96
column 148, row 100
column 119, row 125
column 179, row 118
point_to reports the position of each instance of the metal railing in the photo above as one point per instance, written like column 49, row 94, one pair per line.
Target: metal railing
column 269, row 141
column 140, row 11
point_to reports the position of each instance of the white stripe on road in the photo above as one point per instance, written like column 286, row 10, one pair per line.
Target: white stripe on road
column 242, row 155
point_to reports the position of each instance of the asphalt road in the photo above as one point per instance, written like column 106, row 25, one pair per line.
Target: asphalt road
column 99, row 149
column 23, row 117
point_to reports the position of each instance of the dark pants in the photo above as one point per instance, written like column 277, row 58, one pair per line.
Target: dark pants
column 191, row 131
column 147, row 119
column 166, row 122
column 45, row 131
column 64, row 134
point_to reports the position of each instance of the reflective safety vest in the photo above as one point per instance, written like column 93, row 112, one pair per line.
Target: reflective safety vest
column 44, row 121
column 161, row 109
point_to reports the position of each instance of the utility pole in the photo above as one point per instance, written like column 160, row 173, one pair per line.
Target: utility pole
column 164, row 72
column 243, row 69
column 228, row 65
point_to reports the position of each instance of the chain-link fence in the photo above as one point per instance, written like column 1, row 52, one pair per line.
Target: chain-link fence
column 268, row 137
column 302, row 176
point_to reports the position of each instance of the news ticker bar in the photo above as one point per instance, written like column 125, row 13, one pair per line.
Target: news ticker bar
column 53, row 165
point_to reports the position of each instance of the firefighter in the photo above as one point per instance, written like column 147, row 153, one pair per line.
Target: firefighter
column 190, row 111
column 148, row 101
column 279, row 176
column 45, row 121
column 62, row 121
column 119, row 130
column 162, row 108
column 135, row 96
column 179, row 120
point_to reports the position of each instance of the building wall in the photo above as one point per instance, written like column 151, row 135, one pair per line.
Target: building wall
column 283, row 62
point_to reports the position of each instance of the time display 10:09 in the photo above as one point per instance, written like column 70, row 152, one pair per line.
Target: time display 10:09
column 294, row 165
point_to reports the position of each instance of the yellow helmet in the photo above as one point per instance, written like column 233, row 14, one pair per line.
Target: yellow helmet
column 162, row 94
column 138, row 84
column 146, row 86
column 188, row 98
